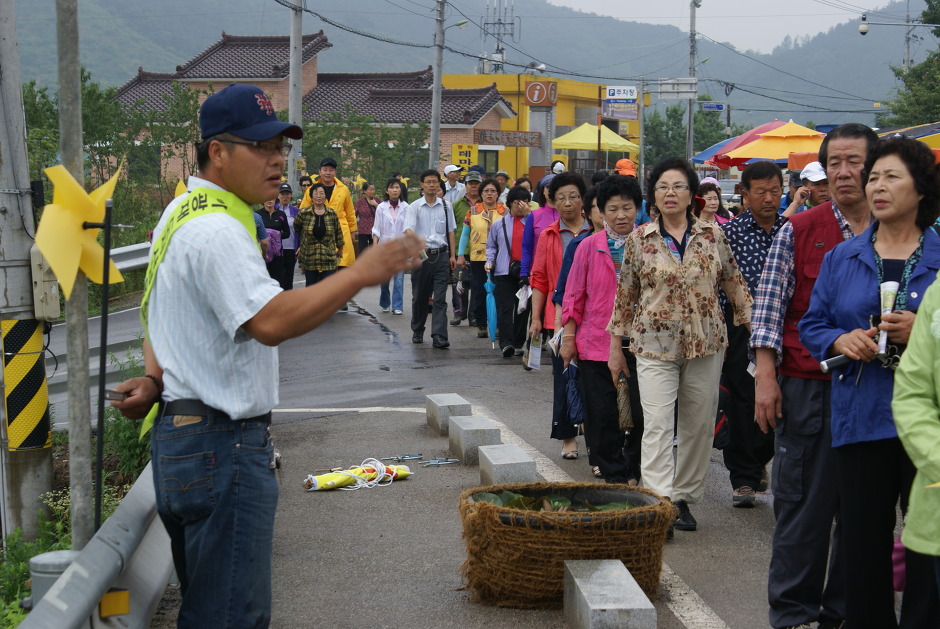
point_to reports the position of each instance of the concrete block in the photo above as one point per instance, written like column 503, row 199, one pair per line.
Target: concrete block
column 468, row 433
column 506, row 463
column 602, row 594
column 443, row 406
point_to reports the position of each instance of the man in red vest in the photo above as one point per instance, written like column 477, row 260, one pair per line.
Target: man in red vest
column 792, row 394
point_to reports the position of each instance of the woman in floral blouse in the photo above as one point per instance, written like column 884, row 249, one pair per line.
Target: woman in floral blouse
column 667, row 303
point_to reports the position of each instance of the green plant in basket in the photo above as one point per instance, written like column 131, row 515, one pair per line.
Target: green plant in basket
column 550, row 503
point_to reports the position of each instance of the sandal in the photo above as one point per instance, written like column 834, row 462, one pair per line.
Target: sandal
column 596, row 471
column 569, row 454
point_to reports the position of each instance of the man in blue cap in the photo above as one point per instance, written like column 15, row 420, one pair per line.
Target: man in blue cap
column 213, row 318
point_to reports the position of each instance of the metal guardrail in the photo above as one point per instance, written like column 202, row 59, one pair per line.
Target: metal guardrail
column 131, row 257
column 131, row 550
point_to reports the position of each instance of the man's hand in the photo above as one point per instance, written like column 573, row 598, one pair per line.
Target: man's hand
column 142, row 394
column 453, row 263
column 462, row 262
column 379, row 263
column 768, row 401
column 898, row 325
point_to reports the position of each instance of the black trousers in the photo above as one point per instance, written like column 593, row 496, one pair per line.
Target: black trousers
column 602, row 433
column 872, row 476
column 478, row 293
column 749, row 450
column 511, row 324
column 634, row 438
column 276, row 268
column 287, row 275
column 431, row 278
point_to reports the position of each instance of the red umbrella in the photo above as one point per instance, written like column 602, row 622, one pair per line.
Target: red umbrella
column 721, row 160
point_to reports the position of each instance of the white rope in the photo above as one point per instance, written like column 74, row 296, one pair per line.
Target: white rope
column 381, row 479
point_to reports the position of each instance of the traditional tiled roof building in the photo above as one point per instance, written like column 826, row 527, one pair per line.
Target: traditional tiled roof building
column 264, row 61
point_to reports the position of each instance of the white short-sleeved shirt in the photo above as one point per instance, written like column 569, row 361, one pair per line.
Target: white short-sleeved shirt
column 431, row 222
column 211, row 281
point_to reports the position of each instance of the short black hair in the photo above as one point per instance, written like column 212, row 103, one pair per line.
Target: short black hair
column 588, row 200
column 517, row 193
column 672, row 163
column 566, row 178
column 304, row 178
column 705, row 188
column 619, row 186
column 760, row 170
column 599, row 176
column 314, row 186
column 427, row 173
column 920, row 162
column 365, row 185
column 850, row 131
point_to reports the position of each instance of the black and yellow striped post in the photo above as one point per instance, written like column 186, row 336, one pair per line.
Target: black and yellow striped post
column 26, row 393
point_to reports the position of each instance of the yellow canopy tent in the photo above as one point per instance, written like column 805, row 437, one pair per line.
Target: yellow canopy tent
column 780, row 142
column 584, row 138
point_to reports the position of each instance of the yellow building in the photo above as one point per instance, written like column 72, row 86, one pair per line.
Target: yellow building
column 541, row 103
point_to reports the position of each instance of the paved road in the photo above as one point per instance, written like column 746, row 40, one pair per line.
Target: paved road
column 390, row 557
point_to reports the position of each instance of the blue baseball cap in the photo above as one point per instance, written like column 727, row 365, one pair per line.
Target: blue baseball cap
column 245, row 111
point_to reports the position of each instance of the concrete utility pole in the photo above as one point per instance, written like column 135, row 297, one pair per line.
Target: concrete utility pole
column 76, row 310
column 694, row 4
column 435, row 141
column 295, row 96
column 25, row 473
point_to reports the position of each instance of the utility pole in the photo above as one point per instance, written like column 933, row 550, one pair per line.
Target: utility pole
column 435, row 142
column 25, row 473
column 501, row 24
column 694, row 4
column 76, row 309
column 295, row 95
column 907, row 37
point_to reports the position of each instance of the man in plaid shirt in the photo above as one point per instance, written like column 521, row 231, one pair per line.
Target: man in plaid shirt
column 796, row 406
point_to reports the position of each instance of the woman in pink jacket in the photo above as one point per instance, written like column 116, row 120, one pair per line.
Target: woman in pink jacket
column 586, row 310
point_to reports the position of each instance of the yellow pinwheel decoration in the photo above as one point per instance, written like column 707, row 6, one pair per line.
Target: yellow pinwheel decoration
column 405, row 180
column 61, row 236
column 358, row 181
column 180, row 189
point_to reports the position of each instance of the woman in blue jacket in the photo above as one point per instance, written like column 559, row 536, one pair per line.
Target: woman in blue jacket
column 874, row 472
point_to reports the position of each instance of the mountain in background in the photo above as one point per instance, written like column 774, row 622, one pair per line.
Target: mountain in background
column 832, row 77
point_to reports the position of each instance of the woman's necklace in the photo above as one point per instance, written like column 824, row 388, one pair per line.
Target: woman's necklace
column 900, row 303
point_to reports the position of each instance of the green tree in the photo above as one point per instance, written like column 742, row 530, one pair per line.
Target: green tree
column 664, row 134
column 918, row 101
column 363, row 147
column 931, row 15
column 42, row 128
column 709, row 126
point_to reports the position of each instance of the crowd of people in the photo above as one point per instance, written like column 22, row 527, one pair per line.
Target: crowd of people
column 658, row 303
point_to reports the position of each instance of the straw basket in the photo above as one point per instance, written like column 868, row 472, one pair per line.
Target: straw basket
column 516, row 558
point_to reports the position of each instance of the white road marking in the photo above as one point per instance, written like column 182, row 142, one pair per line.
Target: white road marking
column 683, row 601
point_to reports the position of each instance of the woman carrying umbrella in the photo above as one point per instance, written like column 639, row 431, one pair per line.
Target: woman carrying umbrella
column 588, row 304
column 565, row 192
column 473, row 242
column 873, row 470
column 667, row 303
column 503, row 259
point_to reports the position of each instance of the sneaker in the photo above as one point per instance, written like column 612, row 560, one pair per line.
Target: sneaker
column 456, row 320
column 397, row 312
column 743, row 497
column 483, row 333
column 596, row 471
column 804, row 625
column 345, row 308
column 830, row 624
column 385, row 308
column 519, row 352
column 508, row 351
column 684, row 521
column 439, row 342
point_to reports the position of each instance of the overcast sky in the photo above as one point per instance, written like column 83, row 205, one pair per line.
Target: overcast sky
column 748, row 24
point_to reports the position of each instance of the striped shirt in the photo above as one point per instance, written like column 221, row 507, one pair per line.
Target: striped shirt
column 212, row 280
column 777, row 283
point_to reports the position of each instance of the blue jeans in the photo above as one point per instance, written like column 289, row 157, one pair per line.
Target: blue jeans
column 216, row 494
column 397, row 301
